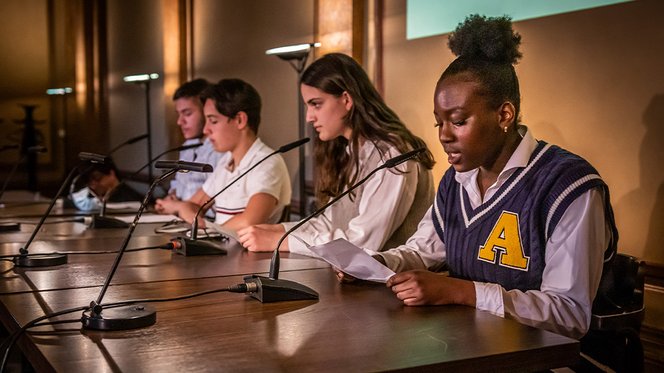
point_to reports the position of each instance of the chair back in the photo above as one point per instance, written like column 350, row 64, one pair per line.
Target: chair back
column 618, row 310
column 285, row 214
column 620, row 295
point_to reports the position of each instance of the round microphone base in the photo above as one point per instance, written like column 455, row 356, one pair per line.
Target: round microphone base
column 270, row 290
column 45, row 260
column 121, row 318
column 10, row 227
column 103, row 222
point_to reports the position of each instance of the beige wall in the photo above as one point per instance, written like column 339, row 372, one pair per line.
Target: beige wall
column 135, row 46
column 24, row 78
column 591, row 81
column 230, row 40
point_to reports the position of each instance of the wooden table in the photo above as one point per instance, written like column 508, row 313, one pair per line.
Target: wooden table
column 90, row 270
column 352, row 327
column 35, row 209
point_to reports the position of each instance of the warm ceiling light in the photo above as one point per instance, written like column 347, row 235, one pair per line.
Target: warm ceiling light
column 59, row 91
column 140, row 78
column 291, row 52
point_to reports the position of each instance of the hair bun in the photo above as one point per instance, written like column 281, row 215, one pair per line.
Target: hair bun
column 490, row 39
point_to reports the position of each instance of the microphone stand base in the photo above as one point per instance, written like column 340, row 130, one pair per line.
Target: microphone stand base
column 120, row 318
column 270, row 290
column 187, row 247
column 103, row 222
column 45, row 260
column 10, row 227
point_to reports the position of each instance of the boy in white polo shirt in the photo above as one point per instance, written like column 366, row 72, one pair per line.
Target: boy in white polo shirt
column 232, row 111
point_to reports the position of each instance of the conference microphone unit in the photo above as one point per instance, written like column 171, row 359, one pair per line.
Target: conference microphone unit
column 184, row 166
column 101, row 221
column 273, row 289
column 193, row 246
column 135, row 315
column 13, row 227
column 25, row 260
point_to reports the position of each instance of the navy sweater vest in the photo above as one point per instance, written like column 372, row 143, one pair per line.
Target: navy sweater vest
column 504, row 239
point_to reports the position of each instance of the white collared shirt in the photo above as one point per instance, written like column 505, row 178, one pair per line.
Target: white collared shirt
column 269, row 177
column 186, row 184
column 384, row 211
column 574, row 257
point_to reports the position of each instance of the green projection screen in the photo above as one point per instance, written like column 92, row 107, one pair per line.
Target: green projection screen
column 434, row 17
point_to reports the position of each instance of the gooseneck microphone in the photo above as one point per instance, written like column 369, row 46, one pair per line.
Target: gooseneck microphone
column 136, row 315
column 128, row 142
column 176, row 149
column 25, row 260
column 101, row 220
column 192, row 246
column 272, row 289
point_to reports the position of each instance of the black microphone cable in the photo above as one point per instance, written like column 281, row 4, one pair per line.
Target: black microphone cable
column 13, row 338
column 167, row 246
column 81, row 219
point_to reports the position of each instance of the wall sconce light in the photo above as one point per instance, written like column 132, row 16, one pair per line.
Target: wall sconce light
column 59, row 91
column 296, row 55
column 140, row 78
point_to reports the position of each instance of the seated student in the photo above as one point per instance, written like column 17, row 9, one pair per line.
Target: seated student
column 357, row 132
column 524, row 227
column 232, row 110
column 102, row 182
column 191, row 119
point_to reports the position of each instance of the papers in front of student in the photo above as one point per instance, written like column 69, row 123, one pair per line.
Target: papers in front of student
column 211, row 230
column 147, row 218
column 352, row 260
column 130, row 205
column 232, row 235
column 174, row 226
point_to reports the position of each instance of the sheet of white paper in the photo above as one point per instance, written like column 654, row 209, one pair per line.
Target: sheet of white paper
column 147, row 218
column 352, row 260
column 223, row 231
column 131, row 205
column 174, row 226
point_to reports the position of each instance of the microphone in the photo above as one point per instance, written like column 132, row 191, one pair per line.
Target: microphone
column 11, row 227
column 128, row 142
column 293, row 145
column 23, row 260
column 184, row 166
column 272, row 289
column 176, row 149
column 137, row 315
column 194, row 247
column 93, row 157
column 101, row 220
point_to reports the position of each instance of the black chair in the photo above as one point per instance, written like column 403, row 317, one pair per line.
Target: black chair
column 618, row 311
column 285, row 214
